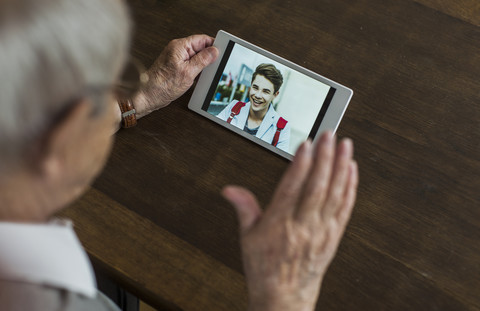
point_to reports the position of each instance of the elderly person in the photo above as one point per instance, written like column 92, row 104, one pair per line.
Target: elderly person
column 59, row 62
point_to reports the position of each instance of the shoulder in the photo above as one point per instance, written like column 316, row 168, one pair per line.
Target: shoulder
column 32, row 297
column 239, row 106
column 276, row 115
column 232, row 104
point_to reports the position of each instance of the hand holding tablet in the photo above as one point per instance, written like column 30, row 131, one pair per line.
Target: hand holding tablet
column 265, row 98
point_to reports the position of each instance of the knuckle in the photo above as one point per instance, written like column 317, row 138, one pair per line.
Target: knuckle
column 336, row 195
column 174, row 42
column 317, row 190
column 290, row 190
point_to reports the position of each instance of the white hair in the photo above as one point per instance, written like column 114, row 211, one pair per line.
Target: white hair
column 52, row 52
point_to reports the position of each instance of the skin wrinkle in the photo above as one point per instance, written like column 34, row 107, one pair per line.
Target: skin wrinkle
column 292, row 277
column 190, row 52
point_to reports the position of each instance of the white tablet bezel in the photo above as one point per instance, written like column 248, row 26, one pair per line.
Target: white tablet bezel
column 331, row 119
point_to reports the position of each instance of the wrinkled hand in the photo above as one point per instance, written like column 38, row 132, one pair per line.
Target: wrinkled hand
column 174, row 71
column 288, row 248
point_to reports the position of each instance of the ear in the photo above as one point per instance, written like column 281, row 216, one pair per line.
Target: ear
column 62, row 138
column 276, row 93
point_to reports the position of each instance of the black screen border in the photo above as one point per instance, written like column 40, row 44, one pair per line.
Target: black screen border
column 218, row 74
column 323, row 111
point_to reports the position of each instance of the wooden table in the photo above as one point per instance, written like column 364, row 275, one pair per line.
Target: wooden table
column 156, row 221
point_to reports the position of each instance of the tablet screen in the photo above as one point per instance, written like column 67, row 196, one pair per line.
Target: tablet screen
column 267, row 99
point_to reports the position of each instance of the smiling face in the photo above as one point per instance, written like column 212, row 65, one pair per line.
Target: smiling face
column 261, row 94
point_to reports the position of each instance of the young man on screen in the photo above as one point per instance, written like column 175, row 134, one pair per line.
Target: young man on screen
column 257, row 116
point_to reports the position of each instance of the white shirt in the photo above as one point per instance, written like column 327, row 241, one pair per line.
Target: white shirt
column 267, row 128
column 47, row 254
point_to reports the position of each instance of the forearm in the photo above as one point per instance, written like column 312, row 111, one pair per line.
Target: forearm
column 143, row 105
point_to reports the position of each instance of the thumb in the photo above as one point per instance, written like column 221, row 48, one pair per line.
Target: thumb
column 246, row 205
column 203, row 58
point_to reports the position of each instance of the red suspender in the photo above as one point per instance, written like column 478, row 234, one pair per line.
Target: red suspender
column 235, row 111
column 281, row 123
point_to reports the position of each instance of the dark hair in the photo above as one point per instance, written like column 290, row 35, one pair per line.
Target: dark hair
column 271, row 73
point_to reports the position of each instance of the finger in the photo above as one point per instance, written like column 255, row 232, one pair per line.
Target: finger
column 197, row 43
column 344, row 212
column 291, row 185
column 202, row 59
column 316, row 188
column 339, row 180
column 246, row 205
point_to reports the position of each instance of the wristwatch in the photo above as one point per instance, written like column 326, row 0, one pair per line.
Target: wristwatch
column 128, row 113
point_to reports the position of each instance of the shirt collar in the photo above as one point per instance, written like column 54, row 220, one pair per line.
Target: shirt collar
column 267, row 122
column 48, row 254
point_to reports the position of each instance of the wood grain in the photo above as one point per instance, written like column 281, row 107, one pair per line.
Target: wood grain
column 137, row 253
column 412, row 243
column 467, row 10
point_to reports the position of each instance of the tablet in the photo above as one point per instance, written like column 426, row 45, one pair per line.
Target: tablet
column 265, row 98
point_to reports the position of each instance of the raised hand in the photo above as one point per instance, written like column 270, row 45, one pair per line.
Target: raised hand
column 288, row 248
